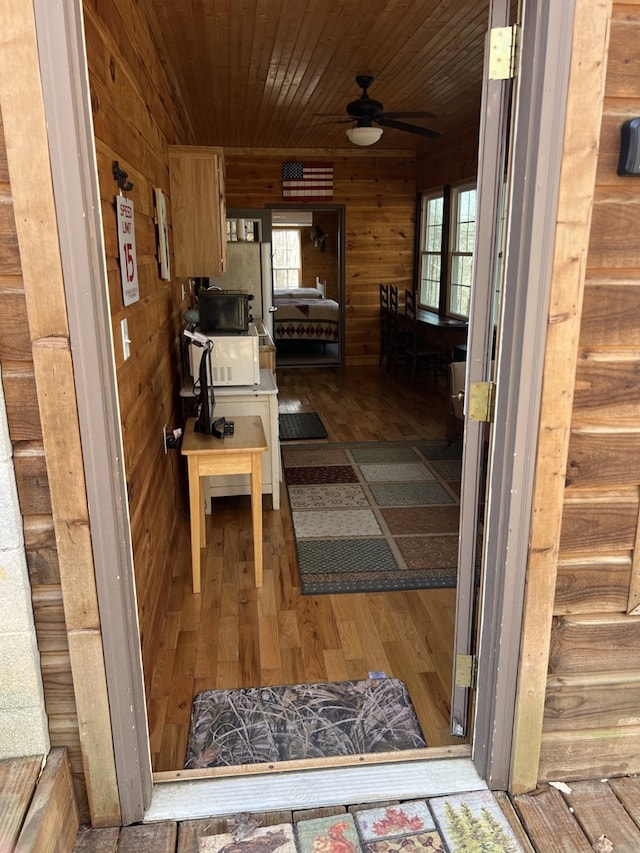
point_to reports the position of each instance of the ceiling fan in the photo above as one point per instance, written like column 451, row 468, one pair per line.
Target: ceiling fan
column 367, row 113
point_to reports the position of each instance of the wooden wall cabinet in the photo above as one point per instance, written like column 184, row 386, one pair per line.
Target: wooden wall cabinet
column 198, row 210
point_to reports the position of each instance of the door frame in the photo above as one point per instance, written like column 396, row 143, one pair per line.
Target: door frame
column 340, row 209
column 510, row 485
column 545, row 50
column 66, row 100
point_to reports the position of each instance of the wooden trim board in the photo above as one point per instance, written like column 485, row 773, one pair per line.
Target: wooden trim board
column 573, row 218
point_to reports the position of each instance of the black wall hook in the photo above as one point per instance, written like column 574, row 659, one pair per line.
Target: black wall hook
column 121, row 177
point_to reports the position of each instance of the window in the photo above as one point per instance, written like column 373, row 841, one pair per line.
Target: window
column 447, row 238
column 463, row 235
column 431, row 250
column 287, row 258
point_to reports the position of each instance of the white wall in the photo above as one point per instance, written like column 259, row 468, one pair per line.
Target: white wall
column 23, row 721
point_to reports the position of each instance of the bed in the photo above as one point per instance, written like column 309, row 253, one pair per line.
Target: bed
column 305, row 315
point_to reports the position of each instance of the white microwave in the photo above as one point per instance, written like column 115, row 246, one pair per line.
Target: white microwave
column 235, row 359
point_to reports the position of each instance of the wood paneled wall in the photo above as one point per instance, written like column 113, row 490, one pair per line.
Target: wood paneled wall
column 137, row 112
column 378, row 192
column 449, row 161
column 591, row 722
column 321, row 260
column 25, row 431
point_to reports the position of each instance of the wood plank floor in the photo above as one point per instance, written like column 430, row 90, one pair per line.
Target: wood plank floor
column 602, row 816
column 233, row 635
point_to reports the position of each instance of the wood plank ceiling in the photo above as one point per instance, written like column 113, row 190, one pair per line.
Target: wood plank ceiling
column 255, row 73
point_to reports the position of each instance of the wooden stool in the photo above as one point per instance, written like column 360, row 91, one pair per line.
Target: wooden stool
column 207, row 456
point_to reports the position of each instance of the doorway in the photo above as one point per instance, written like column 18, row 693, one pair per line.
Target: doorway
column 308, row 284
column 113, row 655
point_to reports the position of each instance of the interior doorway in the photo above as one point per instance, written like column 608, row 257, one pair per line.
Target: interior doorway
column 308, row 284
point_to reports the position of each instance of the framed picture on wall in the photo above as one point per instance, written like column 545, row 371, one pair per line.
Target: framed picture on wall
column 163, row 234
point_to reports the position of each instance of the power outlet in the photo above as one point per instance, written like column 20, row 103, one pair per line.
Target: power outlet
column 171, row 438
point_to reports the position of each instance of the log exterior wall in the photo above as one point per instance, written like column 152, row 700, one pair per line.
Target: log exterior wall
column 591, row 722
column 25, row 433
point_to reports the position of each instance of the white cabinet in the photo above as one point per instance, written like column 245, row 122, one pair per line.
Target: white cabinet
column 234, row 401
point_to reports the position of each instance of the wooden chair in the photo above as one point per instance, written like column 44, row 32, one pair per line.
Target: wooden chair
column 385, row 325
column 396, row 331
column 417, row 349
column 455, row 413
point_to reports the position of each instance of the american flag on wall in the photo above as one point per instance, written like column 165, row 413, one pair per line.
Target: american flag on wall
column 307, row 180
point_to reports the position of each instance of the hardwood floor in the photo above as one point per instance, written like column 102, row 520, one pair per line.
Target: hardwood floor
column 234, row 635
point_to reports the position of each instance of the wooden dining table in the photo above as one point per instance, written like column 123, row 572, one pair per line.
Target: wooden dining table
column 443, row 332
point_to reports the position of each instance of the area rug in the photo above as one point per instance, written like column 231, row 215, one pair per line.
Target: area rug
column 295, row 426
column 255, row 725
column 374, row 517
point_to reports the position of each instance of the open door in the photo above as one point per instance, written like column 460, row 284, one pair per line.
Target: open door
column 483, row 320
column 521, row 157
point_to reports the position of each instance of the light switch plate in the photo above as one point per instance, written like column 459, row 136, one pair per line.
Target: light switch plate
column 126, row 342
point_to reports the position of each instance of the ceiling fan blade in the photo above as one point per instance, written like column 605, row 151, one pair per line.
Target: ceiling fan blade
column 418, row 114
column 409, row 128
column 334, row 121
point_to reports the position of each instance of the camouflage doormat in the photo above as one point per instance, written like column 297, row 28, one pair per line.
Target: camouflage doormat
column 259, row 725
column 374, row 517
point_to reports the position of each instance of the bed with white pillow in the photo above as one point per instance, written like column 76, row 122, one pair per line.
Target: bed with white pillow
column 303, row 314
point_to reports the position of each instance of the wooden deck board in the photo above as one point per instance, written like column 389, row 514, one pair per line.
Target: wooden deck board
column 545, row 820
column 149, row 838
column 599, row 812
column 17, row 782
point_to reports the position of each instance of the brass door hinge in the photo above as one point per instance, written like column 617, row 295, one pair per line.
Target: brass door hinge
column 481, row 400
column 466, row 670
column 502, row 52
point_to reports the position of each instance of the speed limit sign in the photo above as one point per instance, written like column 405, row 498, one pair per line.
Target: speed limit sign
column 127, row 246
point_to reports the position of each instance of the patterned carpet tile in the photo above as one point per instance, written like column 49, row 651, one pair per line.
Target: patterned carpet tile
column 448, row 469
column 347, row 555
column 331, row 496
column 406, row 520
column 321, row 524
column 397, row 472
column 430, row 842
column 392, row 821
column 477, row 816
column 328, row 835
column 434, row 552
column 410, row 494
column 297, row 455
column 321, row 474
column 378, row 455
column 439, row 450
column 265, row 839
column 459, row 823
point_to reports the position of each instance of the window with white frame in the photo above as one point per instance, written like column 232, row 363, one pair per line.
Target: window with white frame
column 432, row 221
column 461, row 245
column 287, row 258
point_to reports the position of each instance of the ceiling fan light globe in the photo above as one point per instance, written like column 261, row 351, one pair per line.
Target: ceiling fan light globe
column 364, row 135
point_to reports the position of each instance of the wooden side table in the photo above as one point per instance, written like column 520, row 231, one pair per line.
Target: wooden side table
column 208, row 456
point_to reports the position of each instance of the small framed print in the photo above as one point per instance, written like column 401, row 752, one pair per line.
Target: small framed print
column 163, row 234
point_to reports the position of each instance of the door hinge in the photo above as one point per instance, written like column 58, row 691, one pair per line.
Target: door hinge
column 502, row 52
column 466, row 670
column 481, row 400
